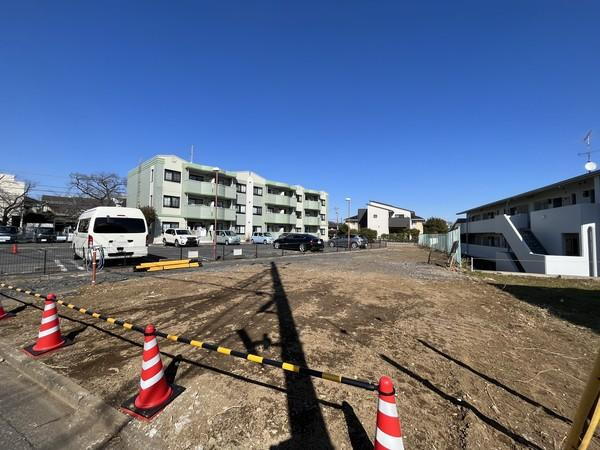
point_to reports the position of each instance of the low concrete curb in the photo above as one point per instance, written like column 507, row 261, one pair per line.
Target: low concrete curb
column 99, row 422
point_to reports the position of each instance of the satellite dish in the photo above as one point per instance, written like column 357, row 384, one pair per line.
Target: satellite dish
column 590, row 166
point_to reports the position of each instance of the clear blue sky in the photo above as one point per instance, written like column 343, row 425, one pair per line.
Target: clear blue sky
column 433, row 106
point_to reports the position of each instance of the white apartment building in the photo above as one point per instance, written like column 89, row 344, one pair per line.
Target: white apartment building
column 183, row 195
column 550, row 230
column 385, row 219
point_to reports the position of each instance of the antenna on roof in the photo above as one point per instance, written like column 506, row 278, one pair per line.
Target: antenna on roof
column 590, row 165
column 192, row 154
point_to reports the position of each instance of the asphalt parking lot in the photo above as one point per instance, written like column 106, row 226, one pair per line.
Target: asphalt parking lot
column 226, row 252
column 44, row 258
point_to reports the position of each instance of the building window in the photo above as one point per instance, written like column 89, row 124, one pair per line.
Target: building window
column 322, row 216
column 257, row 210
column 299, row 198
column 298, row 214
column 172, row 175
column 170, row 201
column 298, row 229
column 240, row 209
column 240, row 229
column 322, row 202
column 258, row 191
column 374, row 216
column 197, row 201
column 196, row 177
column 151, row 175
column 241, row 188
column 257, row 229
column 573, row 199
column 322, row 231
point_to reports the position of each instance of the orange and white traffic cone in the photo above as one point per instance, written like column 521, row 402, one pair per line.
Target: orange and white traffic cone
column 389, row 432
column 14, row 249
column 4, row 314
column 155, row 393
column 49, row 337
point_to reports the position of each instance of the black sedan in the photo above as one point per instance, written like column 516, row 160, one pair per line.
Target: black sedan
column 299, row 241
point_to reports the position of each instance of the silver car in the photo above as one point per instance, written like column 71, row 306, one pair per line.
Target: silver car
column 261, row 238
column 227, row 237
column 342, row 241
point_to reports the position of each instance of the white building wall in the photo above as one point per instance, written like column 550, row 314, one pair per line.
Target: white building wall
column 378, row 219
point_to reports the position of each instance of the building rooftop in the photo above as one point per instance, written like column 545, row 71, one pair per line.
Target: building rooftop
column 391, row 206
column 558, row 184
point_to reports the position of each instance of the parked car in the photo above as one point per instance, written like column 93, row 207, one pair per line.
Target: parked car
column 44, row 235
column 8, row 235
column 342, row 241
column 227, row 237
column 179, row 238
column 261, row 238
column 299, row 241
column 64, row 237
column 122, row 232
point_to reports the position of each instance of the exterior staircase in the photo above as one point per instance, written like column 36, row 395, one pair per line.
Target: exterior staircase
column 532, row 242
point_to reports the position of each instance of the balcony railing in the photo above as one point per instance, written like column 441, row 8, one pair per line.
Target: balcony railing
column 208, row 189
column 312, row 204
column 282, row 200
column 309, row 220
column 204, row 212
column 287, row 219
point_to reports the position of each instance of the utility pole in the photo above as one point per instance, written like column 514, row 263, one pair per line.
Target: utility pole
column 216, row 169
column 337, row 220
column 348, row 199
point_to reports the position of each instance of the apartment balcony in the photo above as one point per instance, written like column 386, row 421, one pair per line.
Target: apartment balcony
column 208, row 189
column 203, row 212
column 308, row 220
column 280, row 200
column 287, row 219
column 312, row 204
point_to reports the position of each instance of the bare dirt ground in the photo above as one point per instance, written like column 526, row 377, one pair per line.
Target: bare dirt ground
column 479, row 361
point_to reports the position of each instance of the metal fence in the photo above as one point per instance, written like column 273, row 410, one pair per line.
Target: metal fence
column 43, row 260
column 58, row 258
column 447, row 242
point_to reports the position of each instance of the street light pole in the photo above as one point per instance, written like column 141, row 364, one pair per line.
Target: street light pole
column 348, row 199
column 216, row 169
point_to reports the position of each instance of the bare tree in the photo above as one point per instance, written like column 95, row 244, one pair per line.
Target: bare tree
column 102, row 187
column 12, row 198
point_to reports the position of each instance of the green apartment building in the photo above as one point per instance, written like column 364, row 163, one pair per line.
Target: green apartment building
column 183, row 195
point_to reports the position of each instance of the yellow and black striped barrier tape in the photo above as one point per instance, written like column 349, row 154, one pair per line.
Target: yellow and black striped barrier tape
column 209, row 346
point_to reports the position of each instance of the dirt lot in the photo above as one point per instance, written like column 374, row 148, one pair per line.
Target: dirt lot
column 479, row 361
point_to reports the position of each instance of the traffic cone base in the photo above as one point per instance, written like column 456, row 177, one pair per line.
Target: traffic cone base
column 146, row 415
column 5, row 315
column 31, row 351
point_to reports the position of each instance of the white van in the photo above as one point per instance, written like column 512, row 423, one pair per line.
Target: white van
column 122, row 232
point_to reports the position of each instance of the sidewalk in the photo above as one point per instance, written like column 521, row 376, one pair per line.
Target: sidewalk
column 43, row 409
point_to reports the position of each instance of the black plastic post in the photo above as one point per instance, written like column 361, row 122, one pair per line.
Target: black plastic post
column 223, row 252
column 256, row 250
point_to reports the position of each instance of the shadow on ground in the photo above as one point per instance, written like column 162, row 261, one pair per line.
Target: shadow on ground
column 461, row 403
column 578, row 306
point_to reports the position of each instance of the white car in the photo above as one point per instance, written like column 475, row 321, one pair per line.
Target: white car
column 261, row 238
column 179, row 237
